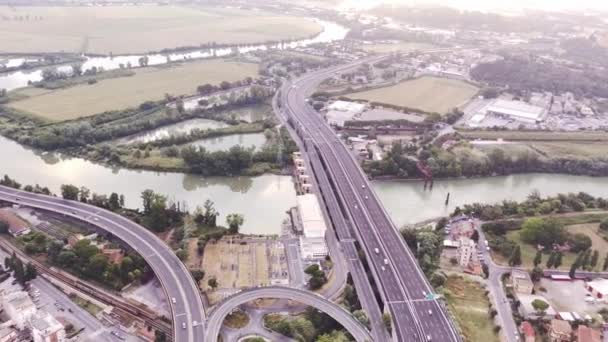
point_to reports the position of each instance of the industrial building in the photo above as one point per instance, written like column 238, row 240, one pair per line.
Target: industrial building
column 515, row 110
column 310, row 216
column 341, row 111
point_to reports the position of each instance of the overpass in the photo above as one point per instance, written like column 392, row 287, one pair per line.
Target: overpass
column 188, row 311
column 417, row 314
column 222, row 309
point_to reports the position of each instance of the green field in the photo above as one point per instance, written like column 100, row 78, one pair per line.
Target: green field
column 118, row 93
column 470, row 306
column 430, row 94
column 398, row 47
column 132, row 29
column 535, row 135
column 573, row 150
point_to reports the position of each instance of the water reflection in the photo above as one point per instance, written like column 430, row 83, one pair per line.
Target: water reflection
column 408, row 201
column 223, row 143
column 262, row 200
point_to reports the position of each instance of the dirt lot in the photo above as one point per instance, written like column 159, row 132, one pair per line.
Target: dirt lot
column 430, row 94
column 237, row 263
column 469, row 305
column 130, row 29
column 118, row 93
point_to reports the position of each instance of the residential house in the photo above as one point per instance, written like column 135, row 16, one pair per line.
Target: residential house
column 522, row 283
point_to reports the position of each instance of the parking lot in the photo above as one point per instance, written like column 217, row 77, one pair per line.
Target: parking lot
column 569, row 296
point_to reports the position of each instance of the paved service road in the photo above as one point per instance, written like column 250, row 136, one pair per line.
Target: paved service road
column 188, row 311
column 222, row 309
column 503, row 306
column 417, row 314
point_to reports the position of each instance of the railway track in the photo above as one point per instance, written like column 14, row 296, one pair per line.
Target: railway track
column 135, row 311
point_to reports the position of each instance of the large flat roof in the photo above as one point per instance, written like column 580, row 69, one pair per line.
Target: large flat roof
column 515, row 108
column 313, row 222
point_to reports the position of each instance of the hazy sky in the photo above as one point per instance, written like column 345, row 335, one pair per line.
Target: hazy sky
column 489, row 5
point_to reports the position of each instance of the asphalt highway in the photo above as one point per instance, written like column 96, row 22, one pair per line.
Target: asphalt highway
column 417, row 314
column 222, row 309
column 339, row 237
column 188, row 311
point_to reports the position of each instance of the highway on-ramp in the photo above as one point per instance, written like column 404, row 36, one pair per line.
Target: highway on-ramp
column 188, row 309
column 222, row 309
column 417, row 314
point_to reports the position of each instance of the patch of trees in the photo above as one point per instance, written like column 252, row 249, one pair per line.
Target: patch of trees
column 158, row 215
column 22, row 273
column 7, row 181
column 546, row 232
column 317, row 277
column 534, row 205
column 313, row 325
column 395, row 163
column 426, row 245
column 114, row 202
column 523, row 75
column 86, row 260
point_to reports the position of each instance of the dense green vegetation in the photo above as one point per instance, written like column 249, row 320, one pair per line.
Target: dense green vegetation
column 426, row 244
column 464, row 161
column 522, row 75
column 22, row 273
column 313, row 325
column 534, row 205
column 533, row 228
column 317, row 277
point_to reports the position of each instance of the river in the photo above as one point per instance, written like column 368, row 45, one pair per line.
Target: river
column 408, row 202
column 331, row 32
column 263, row 200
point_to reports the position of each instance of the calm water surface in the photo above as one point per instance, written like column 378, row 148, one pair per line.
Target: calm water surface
column 408, row 202
column 263, row 200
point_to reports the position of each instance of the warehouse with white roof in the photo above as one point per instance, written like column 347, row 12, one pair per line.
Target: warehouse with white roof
column 312, row 240
column 516, row 110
